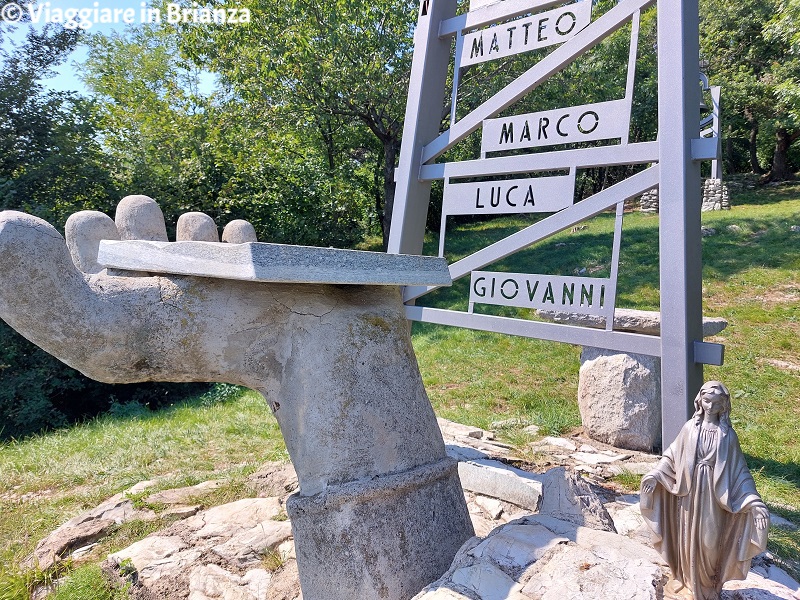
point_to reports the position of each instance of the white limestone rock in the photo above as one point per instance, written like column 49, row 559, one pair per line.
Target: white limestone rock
column 619, row 397
column 566, row 497
column 498, row 480
column 212, row 582
column 84, row 529
column 559, row 443
column 539, row 557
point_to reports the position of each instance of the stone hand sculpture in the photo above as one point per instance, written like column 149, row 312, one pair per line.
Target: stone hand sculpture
column 702, row 503
column 380, row 512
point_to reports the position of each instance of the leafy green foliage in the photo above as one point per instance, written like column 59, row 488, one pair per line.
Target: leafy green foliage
column 331, row 76
column 751, row 48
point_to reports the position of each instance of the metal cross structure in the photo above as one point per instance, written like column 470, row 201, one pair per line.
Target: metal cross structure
column 520, row 145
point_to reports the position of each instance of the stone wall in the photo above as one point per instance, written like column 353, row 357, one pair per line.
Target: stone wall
column 715, row 197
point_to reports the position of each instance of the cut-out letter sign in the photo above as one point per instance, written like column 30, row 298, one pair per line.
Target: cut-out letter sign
column 585, row 295
column 590, row 122
column 514, row 37
column 510, row 196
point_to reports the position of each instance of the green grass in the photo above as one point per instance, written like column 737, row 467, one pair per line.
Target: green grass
column 88, row 583
column 750, row 278
column 50, row 478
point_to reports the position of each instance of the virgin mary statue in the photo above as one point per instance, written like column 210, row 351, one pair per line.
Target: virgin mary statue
column 702, row 503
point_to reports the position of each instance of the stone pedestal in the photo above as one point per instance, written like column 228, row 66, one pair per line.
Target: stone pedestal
column 386, row 538
column 619, row 393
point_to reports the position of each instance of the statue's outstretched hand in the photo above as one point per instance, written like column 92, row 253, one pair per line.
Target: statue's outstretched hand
column 761, row 517
column 116, row 328
column 648, row 484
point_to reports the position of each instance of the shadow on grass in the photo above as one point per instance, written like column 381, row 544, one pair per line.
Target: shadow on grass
column 766, row 195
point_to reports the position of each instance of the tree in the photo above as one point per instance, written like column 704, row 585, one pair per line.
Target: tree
column 51, row 163
column 751, row 50
column 335, row 73
column 212, row 151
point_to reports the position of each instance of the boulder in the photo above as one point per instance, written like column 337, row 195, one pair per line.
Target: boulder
column 619, row 398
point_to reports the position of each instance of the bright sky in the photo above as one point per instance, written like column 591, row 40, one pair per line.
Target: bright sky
column 103, row 16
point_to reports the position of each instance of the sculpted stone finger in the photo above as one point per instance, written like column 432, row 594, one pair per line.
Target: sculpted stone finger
column 239, row 231
column 83, row 231
column 140, row 218
column 196, row 226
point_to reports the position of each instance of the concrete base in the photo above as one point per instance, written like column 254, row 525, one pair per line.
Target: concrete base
column 381, row 539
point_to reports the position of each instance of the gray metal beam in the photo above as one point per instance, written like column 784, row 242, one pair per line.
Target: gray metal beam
column 570, row 334
column 581, row 158
column 680, row 249
column 423, row 118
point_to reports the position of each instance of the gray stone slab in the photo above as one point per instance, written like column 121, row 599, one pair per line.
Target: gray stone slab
column 258, row 261
column 628, row 319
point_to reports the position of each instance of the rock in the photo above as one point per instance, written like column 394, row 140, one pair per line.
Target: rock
column 498, row 480
column 567, row 498
column 491, row 506
column 756, row 587
column 285, row 583
column 795, row 228
column 532, row 429
column 155, row 557
column 185, row 494
column 277, row 479
column 211, row 582
column 559, row 443
column 239, row 231
column 595, row 458
column 734, row 228
column 619, row 397
column 539, row 557
column 707, row 231
column 451, row 429
column 514, row 548
column 181, row 512
column 486, row 581
column 235, row 536
column 628, row 520
column 588, row 571
column 84, row 529
column 196, row 226
column 465, row 453
column 628, row 319
column 509, row 423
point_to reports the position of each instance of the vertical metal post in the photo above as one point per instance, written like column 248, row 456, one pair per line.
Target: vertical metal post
column 680, row 250
column 716, row 164
column 423, row 118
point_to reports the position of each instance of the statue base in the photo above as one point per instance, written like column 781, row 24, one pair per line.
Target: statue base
column 384, row 538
